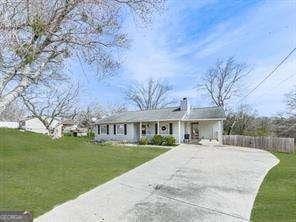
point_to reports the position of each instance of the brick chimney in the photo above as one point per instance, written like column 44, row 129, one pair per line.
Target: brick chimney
column 184, row 104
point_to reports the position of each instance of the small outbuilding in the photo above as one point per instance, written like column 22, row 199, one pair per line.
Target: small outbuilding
column 33, row 124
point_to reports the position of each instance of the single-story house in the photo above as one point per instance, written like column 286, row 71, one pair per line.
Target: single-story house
column 69, row 125
column 9, row 124
column 80, row 131
column 182, row 122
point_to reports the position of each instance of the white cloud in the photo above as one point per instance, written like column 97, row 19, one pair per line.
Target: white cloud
column 260, row 36
column 151, row 54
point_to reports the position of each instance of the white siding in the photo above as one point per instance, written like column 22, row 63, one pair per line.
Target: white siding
column 12, row 125
column 151, row 129
column 136, row 132
column 133, row 132
column 208, row 129
column 36, row 126
column 187, row 128
column 182, row 131
column 130, row 137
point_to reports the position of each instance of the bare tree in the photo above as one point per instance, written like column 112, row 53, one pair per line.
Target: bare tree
column 15, row 111
column 38, row 37
column 150, row 95
column 240, row 122
column 221, row 81
column 291, row 102
column 52, row 103
column 284, row 126
column 85, row 118
column 93, row 112
column 115, row 108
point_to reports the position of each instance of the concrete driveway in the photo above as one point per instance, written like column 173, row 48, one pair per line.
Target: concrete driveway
column 187, row 183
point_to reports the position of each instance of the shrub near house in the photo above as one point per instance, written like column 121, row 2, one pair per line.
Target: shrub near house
column 169, row 141
column 159, row 140
column 143, row 141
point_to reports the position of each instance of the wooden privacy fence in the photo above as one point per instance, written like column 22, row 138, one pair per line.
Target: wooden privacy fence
column 261, row 142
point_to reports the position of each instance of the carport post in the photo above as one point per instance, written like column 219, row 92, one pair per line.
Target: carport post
column 158, row 127
column 220, row 132
column 179, row 131
column 140, row 130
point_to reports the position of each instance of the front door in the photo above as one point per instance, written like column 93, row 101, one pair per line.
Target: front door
column 194, row 131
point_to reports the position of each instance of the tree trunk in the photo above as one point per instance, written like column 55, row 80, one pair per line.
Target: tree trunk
column 231, row 128
column 12, row 95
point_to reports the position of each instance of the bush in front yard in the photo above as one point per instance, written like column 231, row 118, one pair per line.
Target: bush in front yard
column 157, row 140
column 169, row 141
column 91, row 134
column 143, row 141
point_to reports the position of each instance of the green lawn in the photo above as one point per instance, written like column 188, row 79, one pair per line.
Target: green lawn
column 276, row 200
column 37, row 173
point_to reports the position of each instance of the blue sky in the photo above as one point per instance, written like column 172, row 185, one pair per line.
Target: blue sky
column 190, row 35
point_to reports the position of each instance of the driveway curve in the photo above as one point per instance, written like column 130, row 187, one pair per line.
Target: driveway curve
column 187, row 183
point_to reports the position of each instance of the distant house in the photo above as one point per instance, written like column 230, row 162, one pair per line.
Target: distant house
column 9, row 124
column 80, row 131
column 60, row 127
column 68, row 126
column 33, row 124
column 183, row 122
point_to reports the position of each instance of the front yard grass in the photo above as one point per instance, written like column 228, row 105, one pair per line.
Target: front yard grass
column 276, row 200
column 37, row 173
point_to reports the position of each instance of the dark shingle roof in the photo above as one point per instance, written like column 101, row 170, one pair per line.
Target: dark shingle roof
column 206, row 113
column 172, row 113
column 68, row 122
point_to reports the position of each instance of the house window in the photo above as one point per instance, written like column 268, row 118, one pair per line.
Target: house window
column 156, row 128
column 143, row 129
column 120, row 129
column 171, row 128
column 103, row 129
column 107, row 129
column 125, row 129
column 114, row 129
column 99, row 129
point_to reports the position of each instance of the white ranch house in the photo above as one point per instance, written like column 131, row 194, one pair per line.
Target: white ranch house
column 183, row 122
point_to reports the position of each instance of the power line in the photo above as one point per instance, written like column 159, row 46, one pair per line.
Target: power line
column 266, row 77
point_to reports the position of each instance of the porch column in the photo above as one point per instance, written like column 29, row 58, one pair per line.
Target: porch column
column 220, row 132
column 158, row 128
column 140, row 130
column 179, row 132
